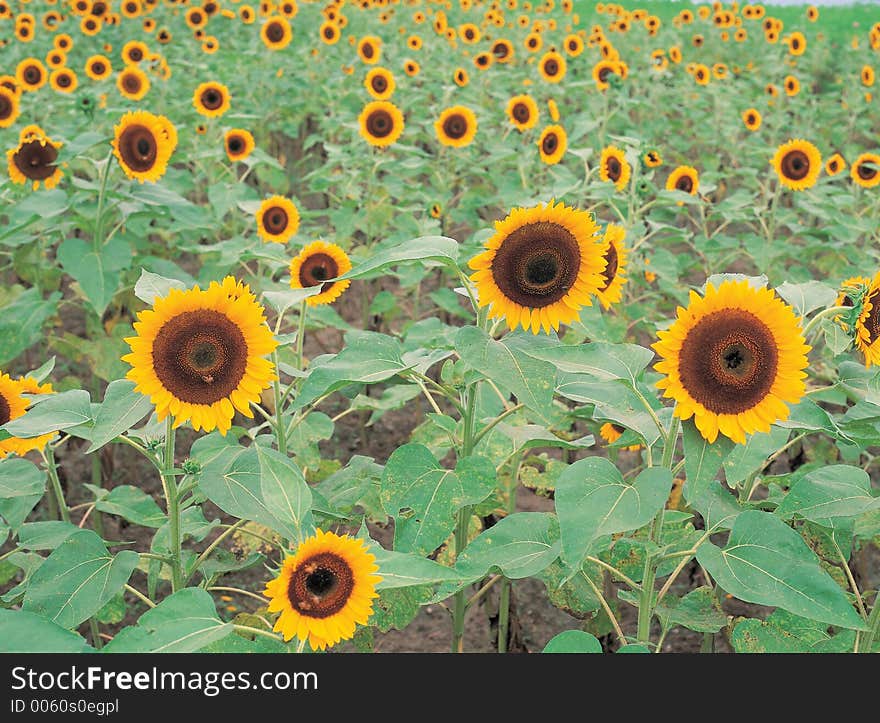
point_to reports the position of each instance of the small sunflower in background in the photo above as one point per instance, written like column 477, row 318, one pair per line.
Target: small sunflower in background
column 324, row 590
column 369, row 49
column 276, row 33
column 613, row 276
column 34, row 160
column 751, row 118
column 143, row 144
column 13, row 404
column 733, row 360
column 792, row 85
column 552, row 67
column 552, row 144
column 9, row 107
column 602, row 72
column 379, row 83
column 702, row 74
column 211, row 99
column 132, row 83
column 460, row 77
column 867, row 325
column 652, row 158
column 436, row 210
column 199, row 356
column 63, row 80
column 522, row 110
column 456, row 126
column 611, row 432
column 411, row 68
column 98, row 67
column 614, row 168
column 797, row 43
column 316, row 265
column 381, row 123
column 865, row 170
column 797, row 163
column 502, row 50
column 277, row 220
column 540, row 267
column 685, row 179
column 239, row 144
column 31, row 75
column 134, row 51
column 329, row 33
column 573, row 45
column 867, row 76
column 851, row 294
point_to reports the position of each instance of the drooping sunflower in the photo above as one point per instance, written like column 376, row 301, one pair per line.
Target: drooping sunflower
column 13, row 404
column 30, row 74
column 379, row 83
column 614, row 167
column 540, row 267
column 317, row 264
column 276, row 33
column 552, row 144
column 98, row 67
column 143, row 144
column 835, row 164
column 553, row 110
column 865, row 170
column 369, row 49
column 199, row 356
column 552, row 67
column 211, row 99
column 752, row 119
column 456, row 126
column 9, row 107
column 797, row 163
column 381, row 123
column 685, row 179
column 239, row 144
column 613, row 276
column 852, row 291
column 732, row 359
column 522, row 110
column 611, row 432
column 132, row 82
column 277, row 220
column 325, row 590
column 34, row 160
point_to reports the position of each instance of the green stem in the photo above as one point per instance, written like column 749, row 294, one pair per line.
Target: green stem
column 170, row 487
column 213, row 546
column 301, row 334
column 867, row 643
column 99, row 216
column 504, row 600
column 96, row 634
column 646, row 602
column 461, row 526
column 824, row 314
column 280, row 431
column 52, row 467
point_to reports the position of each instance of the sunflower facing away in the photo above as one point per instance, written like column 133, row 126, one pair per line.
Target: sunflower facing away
column 540, row 267
column 797, row 163
column 867, row 326
column 613, row 277
column 552, row 144
column 614, row 167
column 34, row 160
column 211, row 99
column 522, row 112
column 851, row 294
column 324, row 590
column 865, row 170
column 239, row 144
column 13, row 405
column 143, row 144
column 277, row 220
column 315, row 265
column 381, row 123
column 456, row 126
column 732, row 359
column 198, row 356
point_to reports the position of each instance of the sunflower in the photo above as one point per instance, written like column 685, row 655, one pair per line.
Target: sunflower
column 133, row 82
column 34, row 160
column 835, row 164
column 324, row 590
column 684, row 179
column 540, row 267
column 852, row 292
column 456, row 126
column 211, row 99
column 573, row 45
column 329, row 33
column 13, row 404
column 317, row 264
column 239, row 144
column 614, row 167
column 56, row 59
column 797, row 43
column 98, row 67
column 198, row 355
column 702, row 74
column 90, row 26
column 9, row 108
column 469, row 33
column 143, row 144
column 601, row 72
column 369, row 49
column 134, row 52
column 612, row 432
column 867, row 76
column 63, row 80
column 30, row 74
column 553, row 110
column 752, row 119
column 411, row 68
column 502, row 49
column 614, row 253
column 865, row 170
column 276, row 33
column 381, row 123
column 797, row 163
column 533, row 42
column 277, row 220
column 196, row 17
column 522, row 112
column 792, row 85
column 652, row 158
column 552, row 67
column 732, row 359
column 379, row 83
column 63, row 42
column 867, row 326
column 552, row 144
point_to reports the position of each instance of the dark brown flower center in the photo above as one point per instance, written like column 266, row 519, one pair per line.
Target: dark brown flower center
column 275, row 32
column 139, row 148
column 98, row 67
column 5, row 107
column 275, row 220
column 379, row 83
column 380, row 123
column 611, row 262
column 613, row 168
column 321, row 585
column 329, row 32
column 35, row 160
column 550, row 144
column 367, row 50
column 866, row 172
column 212, row 98
column 131, row 83
column 196, row 18
column 551, row 66
column 537, row 264
column 5, row 413
column 136, row 54
column 500, row 50
column 32, row 75
column 236, row 144
column 317, row 269
column 455, row 126
column 685, row 183
column 795, row 165
column 482, row 59
column 63, row 80
column 200, row 356
column 99, row 8
column 750, row 119
column 572, row 45
column 521, row 112
column 604, row 72
column 728, row 361
column 872, row 321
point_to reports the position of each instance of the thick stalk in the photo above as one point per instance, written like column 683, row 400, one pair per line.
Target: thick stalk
column 461, row 526
column 52, row 467
column 280, row 428
column 169, row 485
column 99, row 215
column 504, row 601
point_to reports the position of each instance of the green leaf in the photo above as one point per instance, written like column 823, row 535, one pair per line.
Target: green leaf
column 344, row 489
column 426, row 248
column 44, row 535
column 703, row 492
column 746, row 458
column 150, row 286
column 768, row 563
column 24, row 632
column 808, row 296
column 21, row 322
column 602, row 361
column 837, row 491
column 593, row 499
column 184, row 622
column 281, row 301
column 573, row 641
column 20, row 478
column 78, row 579
column 121, row 409
column 96, row 272
column 634, row 648
column 284, row 490
column 52, row 413
column 132, row 504
column 532, row 381
column 699, row 610
column 403, row 569
column 783, row 632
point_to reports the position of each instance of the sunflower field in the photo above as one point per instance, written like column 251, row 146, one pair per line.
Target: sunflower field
column 431, row 325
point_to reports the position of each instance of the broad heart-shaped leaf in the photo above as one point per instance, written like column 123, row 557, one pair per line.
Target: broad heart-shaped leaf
column 52, row 414
column 78, row 579
column 24, row 632
column 45, row 535
column 284, row 490
column 96, row 271
column 834, row 492
column 573, row 641
column 121, row 409
column 21, row 324
column 150, row 286
column 768, row 563
column 808, row 296
column 703, row 492
column 132, row 504
column 593, row 499
column 425, row 248
column 233, row 480
column 184, row 622
column 746, row 458
column 367, row 357
column 531, row 380
column 783, row 632
column 698, row 610
column 403, row 569
column 20, row 478
column 423, row 497
column 600, row 360
column 281, row 301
